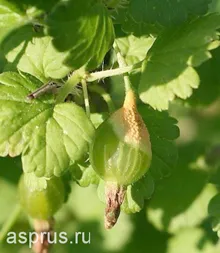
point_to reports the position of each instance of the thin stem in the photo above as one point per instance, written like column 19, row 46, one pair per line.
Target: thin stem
column 80, row 74
column 112, row 72
column 86, row 97
column 67, row 88
column 9, row 223
column 122, row 64
column 106, row 97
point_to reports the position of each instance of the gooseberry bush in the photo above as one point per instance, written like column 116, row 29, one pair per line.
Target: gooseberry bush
column 89, row 95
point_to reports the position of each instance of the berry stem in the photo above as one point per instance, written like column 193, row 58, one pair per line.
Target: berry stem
column 67, row 88
column 86, row 97
column 122, row 63
column 112, row 72
column 9, row 223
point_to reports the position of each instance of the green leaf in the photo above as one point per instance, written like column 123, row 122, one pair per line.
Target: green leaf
column 84, row 174
column 214, row 212
column 167, row 13
column 67, row 180
column 130, row 26
column 29, row 6
column 97, row 118
column 209, row 88
column 168, row 69
column 140, row 29
column 137, row 194
column 214, row 206
column 83, row 29
column 182, row 199
column 39, row 5
column 34, row 55
column 214, row 6
column 134, row 49
column 11, row 17
column 2, row 62
column 163, row 130
column 39, row 129
column 35, row 183
column 216, row 226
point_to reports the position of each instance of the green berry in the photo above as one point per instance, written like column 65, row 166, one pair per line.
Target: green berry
column 121, row 149
column 42, row 204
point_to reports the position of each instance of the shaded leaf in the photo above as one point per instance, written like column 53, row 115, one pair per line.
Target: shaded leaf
column 209, row 88
column 167, row 13
column 168, row 69
column 83, row 29
column 163, row 130
column 182, row 200
column 84, row 174
column 137, row 194
column 11, row 17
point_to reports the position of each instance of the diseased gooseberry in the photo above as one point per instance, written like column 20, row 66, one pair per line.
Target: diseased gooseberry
column 121, row 153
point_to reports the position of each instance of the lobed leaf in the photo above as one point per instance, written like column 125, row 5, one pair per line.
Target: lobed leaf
column 167, row 13
column 35, row 183
column 50, row 137
column 137, row 194
column 209, row 87
column 168, row 70
column 163, row 130
column 35, row 55
column 84, row 174
column 134, row 49
column 83, row 29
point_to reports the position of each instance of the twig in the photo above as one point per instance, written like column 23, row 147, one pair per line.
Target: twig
column 43, row 89
column 86, row 97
